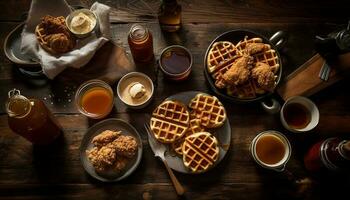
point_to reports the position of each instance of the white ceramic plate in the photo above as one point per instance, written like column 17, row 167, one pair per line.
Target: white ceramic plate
column 223, row 134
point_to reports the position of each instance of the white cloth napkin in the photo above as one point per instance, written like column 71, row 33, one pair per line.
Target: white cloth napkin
column 85, row 48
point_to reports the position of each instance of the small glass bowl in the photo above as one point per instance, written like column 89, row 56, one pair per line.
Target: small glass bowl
column 86, row 12
column 87, row 86
column 180, row 76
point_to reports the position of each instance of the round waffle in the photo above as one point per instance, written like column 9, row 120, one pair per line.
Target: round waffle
column 200, row 151
column 209, row 110
column 220, row 55
column 169, row 121
column 194, row 127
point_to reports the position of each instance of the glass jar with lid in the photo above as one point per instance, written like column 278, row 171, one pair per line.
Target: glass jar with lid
column 141, row 43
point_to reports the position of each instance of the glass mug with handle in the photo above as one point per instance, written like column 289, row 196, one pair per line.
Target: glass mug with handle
column 271, row 150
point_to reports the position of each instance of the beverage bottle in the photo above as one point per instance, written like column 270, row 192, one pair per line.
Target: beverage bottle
column 169, row 15
column 141, row 44
column 331, row 154
column 31, row 119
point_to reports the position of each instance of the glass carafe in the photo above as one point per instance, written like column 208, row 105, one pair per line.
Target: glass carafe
column 31, row 119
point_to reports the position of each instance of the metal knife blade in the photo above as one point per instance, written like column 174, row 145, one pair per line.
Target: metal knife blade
column 157, row 147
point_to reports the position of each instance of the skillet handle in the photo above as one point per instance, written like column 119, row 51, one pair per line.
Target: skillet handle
column 271, row 106
column 279, row 39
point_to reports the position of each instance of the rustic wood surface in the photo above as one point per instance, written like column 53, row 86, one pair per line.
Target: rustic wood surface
column 55, row 172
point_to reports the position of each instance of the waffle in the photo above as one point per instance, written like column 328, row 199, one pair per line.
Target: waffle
column 40, row 36
column 200, row 151
column 241, row 44
column 248, row 90
column 220, row 55
column 194, row 127
column 209, row 110
column 269, row 57
column 170, row 121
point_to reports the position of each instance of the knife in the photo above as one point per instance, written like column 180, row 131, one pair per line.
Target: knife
column 159, row 150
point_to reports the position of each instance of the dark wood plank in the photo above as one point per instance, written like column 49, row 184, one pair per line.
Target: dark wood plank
column 198, row 11
column 148, row 191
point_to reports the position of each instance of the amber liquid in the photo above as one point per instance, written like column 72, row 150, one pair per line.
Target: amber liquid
column 97, row 101
column 270, row 149
column 38, row 126
column 170, row 16
column 142, row 51
column 297, row 115
column 175, row 61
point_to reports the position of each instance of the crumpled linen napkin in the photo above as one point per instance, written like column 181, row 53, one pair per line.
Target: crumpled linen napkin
column 85, row 48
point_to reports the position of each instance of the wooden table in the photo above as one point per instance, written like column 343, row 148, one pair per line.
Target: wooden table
column 30, row 172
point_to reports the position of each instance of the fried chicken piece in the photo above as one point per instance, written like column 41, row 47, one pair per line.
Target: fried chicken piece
column 54, row 25
column 240, row 71
column 264, row 76
column 254, row 48
column 125, row 146
column 105, row 138
column 59, row 42
column 102, row 158
column 57, row 37
column 120, row 163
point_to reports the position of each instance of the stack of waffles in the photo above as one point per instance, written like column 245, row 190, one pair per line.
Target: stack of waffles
column 223, row 63
column 186, row 129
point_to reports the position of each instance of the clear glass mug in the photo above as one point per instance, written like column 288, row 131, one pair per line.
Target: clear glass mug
column 281, row 164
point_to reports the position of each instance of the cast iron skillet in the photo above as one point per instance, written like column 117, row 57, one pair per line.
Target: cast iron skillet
column 234, row 36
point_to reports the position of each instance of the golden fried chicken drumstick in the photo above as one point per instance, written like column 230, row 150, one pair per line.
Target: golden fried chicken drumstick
column 254, row 48
column 264, row 76
column 240, row 71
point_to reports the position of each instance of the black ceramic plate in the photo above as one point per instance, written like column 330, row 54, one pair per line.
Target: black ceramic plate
column 223, row 135
column 235, row 36
column 110, row 124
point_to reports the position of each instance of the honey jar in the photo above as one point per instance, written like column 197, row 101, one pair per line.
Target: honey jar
column 141, row 44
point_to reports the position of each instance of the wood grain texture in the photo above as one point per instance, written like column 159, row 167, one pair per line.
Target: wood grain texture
column 199, row 11
column 55, row 172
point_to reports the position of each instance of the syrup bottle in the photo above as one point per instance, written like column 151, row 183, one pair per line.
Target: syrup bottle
column 31, row 119
column 331, row 154
column 141, row 44
column 169, row 15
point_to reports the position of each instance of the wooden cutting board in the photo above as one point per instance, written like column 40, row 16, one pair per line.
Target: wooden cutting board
column 109, row 64
column 305, row 81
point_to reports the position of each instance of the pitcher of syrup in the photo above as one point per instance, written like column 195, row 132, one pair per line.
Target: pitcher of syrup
column 31, row 119
column 331, row 154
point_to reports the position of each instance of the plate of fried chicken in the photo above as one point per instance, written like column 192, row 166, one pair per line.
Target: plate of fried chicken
column 111, row 150
column 242, row 66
